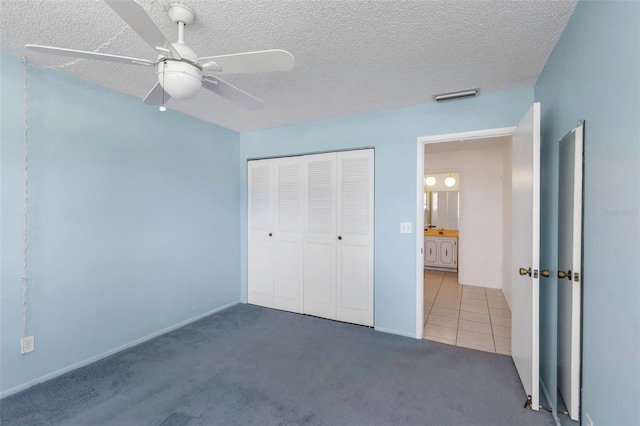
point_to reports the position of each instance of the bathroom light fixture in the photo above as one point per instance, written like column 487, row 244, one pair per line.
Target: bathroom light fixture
column 450, row 181
column 430, row 180
column 456, row 95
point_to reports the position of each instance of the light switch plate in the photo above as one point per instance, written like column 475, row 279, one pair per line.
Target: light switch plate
column 405, row 228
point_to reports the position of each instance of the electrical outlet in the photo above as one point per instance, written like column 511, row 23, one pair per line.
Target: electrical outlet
column 27, row 344
column 589, row 421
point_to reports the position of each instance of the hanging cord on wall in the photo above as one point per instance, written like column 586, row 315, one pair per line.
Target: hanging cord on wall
column 25, row 229
column 25, row 233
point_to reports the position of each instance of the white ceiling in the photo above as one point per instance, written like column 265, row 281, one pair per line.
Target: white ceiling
column 352, row 56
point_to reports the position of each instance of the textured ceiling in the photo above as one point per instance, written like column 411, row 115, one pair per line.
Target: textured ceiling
column 352, row 56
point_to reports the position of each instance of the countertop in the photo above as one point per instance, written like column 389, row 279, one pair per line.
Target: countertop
column 433, row 232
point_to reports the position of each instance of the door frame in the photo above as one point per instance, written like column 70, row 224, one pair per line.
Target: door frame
column 421, row 142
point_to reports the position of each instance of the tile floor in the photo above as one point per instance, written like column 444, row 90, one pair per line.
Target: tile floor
column 461, row 315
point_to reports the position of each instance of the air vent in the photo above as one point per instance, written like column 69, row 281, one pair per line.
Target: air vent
column 469, row 93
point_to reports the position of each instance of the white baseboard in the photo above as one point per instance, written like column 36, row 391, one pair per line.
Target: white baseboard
column 399, row 333
column 95, row 358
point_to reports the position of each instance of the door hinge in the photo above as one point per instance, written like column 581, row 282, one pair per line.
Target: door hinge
column 576, row 276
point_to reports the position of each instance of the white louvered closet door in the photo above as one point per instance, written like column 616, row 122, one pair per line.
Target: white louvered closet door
column 260, row 232
column 288, row 219
column 355, row 236
column 320, row 236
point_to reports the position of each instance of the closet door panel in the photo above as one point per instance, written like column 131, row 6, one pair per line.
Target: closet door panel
column 260, row 226
column 320, row 236
column 354, row 304
column 355, row 236
column 288, row 276
column 288, row 256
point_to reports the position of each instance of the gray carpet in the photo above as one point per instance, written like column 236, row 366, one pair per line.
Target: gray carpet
column 254, row 366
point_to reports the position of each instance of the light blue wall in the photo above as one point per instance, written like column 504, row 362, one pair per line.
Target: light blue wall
column 133, row 221
column 594, row 74
column 393, row 134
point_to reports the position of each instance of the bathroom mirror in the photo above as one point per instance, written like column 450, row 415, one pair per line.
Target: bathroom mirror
column 441, row 200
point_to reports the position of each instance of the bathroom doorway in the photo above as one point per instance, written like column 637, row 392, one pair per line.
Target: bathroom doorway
column 467, row 188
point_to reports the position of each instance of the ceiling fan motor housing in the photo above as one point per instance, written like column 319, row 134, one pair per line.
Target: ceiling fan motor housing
column 180, row 79
column 181, row 13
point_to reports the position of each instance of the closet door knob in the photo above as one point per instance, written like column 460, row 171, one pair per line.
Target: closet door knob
column 545, row 273
column 270, row 234
column 339, row 237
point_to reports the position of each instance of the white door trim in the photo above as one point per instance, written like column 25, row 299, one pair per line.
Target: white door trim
column 421, row 142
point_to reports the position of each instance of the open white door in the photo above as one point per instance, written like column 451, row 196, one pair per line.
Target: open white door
column 525, row 347
column 570, row 265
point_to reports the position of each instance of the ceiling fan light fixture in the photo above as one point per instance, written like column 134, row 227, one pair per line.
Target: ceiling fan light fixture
column 180, row 80
column 469, row 93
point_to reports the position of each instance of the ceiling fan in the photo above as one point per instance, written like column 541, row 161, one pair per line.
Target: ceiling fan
column 180, row 72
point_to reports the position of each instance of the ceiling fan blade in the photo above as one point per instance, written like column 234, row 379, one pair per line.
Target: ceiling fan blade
column 156, row 96
column 262, row 61
column 232, row 93
column 89, row 55
column 135, row 16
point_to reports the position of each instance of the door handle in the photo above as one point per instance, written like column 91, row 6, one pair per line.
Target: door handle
column 523, row 271
column 446, row 252
column 270, row 234
column 562, row 274
column 339, row 237
column 545, row 273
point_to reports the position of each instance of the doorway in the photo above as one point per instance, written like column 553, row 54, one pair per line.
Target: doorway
column 449, row 151
column 524, row 249
column 464, row 304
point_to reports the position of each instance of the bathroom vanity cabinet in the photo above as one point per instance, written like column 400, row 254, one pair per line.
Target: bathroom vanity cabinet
column 441, row 253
